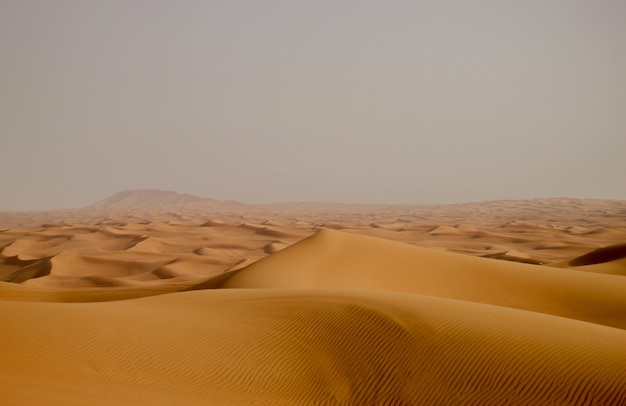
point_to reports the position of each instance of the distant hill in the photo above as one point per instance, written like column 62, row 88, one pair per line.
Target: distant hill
column 158, row 200
column 145, row 199
column 543, row 210
column 588, row 214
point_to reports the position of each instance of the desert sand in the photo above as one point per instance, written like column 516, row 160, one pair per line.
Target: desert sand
column 156, row 298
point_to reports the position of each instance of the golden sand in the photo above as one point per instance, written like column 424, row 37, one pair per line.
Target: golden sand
column 518, row 303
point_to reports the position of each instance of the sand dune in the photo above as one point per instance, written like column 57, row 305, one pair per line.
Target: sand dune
column 602, row 255
column 184, row 300
column 332, row 259
column 311, row 347
column 607, row 260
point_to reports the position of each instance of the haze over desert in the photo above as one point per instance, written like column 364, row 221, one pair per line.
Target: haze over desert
column 152, row 297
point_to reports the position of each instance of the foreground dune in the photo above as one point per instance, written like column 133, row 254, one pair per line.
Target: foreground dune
column 184, row 302
column 303, row 347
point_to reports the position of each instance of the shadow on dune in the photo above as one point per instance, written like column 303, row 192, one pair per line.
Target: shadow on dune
column 26, row 270
column 601, row 255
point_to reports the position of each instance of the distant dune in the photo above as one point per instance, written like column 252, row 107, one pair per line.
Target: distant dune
column 158, row 298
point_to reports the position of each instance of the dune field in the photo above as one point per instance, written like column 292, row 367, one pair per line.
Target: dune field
column 157, row 298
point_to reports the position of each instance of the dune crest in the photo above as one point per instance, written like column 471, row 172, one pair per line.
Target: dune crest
column 337, row 260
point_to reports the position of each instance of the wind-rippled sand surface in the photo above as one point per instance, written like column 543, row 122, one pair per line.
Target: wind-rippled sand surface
column 198, row 302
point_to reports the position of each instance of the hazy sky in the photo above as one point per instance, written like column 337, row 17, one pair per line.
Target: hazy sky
column 344, row 101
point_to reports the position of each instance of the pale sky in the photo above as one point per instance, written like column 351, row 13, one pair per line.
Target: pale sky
column 339, row 101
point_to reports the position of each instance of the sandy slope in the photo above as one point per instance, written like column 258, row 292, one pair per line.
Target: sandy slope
column 333, row 259
column 253, row 305
column 304, row 347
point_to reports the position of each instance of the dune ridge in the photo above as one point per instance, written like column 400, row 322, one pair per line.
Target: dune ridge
column 333, row 259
